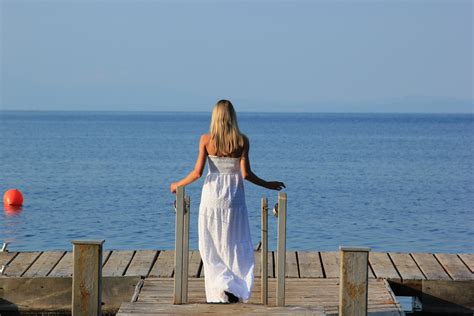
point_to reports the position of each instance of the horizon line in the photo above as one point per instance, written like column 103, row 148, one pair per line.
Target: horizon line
column 257, row 112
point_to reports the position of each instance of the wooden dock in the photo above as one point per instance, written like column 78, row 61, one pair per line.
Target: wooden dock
column 303, row 296
column 437, row 279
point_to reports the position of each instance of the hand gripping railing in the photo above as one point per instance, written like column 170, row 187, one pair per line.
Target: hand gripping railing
column 181, row 254
column 280, row 212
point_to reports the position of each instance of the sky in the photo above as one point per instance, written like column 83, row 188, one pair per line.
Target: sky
column 265, row 56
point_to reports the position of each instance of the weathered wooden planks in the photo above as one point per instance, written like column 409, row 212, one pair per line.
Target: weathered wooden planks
column 142, row 263
column 291, row 265
column 44, row 264
column 194, row 264
column 454, row 266
column 64, row 267
column 330, row 264
column 258, row 260
column 308, row 295
column 164, row 264
column 382, row 266
column 468, row 259
column 20, row 263
column 300, row 264
column 406, row 266
column 430, row 266
column 7, row 257
column 309, row 264
column 117, row 263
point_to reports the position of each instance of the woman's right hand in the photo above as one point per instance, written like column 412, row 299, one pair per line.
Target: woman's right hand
column 173, row 187
column 275, row 185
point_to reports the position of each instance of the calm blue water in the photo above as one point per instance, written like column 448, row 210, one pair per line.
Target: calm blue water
column 392, row 182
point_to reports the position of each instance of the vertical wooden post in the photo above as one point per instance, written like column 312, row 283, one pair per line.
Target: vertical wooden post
column 353, row 280
column 264, row 252
column 87, row 278
column 281, row 260
column 178, row 254
column 187, row 207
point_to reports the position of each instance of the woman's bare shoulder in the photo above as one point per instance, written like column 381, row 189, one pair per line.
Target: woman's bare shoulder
column 205, row 138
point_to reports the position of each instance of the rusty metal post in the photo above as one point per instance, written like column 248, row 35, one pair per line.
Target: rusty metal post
column 87, row 277
column 353, row 287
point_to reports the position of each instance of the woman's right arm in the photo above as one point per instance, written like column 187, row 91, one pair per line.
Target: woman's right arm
column 247, row 173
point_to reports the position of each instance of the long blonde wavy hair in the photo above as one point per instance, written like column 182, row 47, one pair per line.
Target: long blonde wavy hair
column 225, row 134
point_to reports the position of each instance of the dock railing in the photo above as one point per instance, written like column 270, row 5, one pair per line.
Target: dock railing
column 181, row 257
column 182, row 208
column 280, row 212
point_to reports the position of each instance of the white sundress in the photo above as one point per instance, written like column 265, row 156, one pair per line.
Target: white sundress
column 224, row 233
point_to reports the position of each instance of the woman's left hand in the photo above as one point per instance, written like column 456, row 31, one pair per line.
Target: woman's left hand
column 173, row 187
column 275, row 185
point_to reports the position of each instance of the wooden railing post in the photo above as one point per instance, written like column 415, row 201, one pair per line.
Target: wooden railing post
column 181, row 248
column 264, row 252
column 87, row 278
column 281, row 254
column 353, row 287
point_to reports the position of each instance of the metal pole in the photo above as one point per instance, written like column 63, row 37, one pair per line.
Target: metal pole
column 264, row 251
column 178, row 254
column 354, row 280
column 281, row 254
column 186, row 249
column 87, row 277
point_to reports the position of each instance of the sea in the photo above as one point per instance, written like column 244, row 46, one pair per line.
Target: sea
column 391, row 182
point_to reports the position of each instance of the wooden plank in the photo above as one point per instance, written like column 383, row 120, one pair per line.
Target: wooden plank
column 468, row 259
column 21, row 263
column 194, row 264
column 105, row 256
column 291, row 265
column 310, row 265
column 430, row 267
column 44, row 264
column 141, row 263
column 454, row 266
column 118, row 262
column 258, row 260
column 6, row 257
column 164, row 265
column 382, row 266
column 406, row 266
column 64, row 267
column 330, row 264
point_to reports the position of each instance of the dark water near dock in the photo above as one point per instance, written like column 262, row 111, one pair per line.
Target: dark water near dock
column 393, row 182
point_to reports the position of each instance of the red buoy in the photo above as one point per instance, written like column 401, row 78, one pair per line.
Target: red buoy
column 13, row 197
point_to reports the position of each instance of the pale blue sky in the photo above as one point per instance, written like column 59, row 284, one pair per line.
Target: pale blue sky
column 316, row 56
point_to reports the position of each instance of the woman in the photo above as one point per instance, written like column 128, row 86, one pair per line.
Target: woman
column 224, row 234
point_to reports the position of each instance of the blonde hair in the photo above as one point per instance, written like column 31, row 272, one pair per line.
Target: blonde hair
column 225, row 134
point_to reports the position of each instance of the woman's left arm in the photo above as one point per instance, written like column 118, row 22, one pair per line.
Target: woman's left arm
column 198, row 167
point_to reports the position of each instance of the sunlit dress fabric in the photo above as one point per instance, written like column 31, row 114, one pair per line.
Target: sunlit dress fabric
column 224, row 233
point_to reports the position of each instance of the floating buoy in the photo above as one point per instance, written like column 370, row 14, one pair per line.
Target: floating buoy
column 13, row 197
